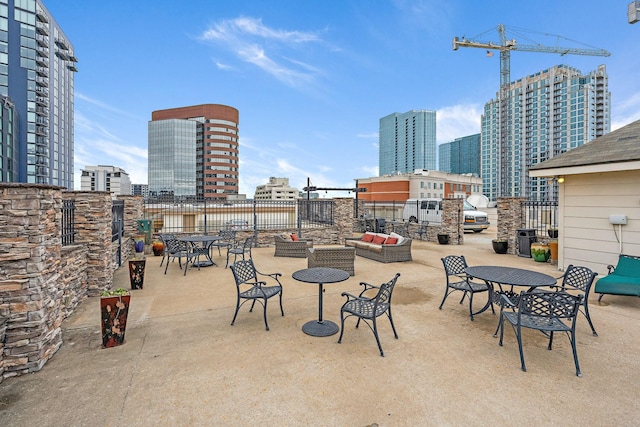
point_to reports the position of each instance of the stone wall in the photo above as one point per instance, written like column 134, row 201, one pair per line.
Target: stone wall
column 509, row 221
column 42, row 282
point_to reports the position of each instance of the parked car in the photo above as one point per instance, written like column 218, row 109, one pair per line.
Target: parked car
column 236, row 224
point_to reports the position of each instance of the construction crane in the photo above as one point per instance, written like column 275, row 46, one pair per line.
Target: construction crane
column 505, row 46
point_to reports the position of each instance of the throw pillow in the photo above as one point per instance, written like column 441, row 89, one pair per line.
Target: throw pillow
column 368, row 237
column 294, row 237
column 286, row 237
column 378, row 240
column 397, row 236
column 391, row 241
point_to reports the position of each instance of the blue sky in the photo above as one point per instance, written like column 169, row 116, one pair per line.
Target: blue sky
column 311, row 79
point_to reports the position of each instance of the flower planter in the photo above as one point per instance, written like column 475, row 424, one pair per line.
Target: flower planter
column 138, row 246
column 443, row 239
column 500, row 246
column 540, row 252
column 158, row 248
column 114, row 310
column 136, row 273
column 553, row 233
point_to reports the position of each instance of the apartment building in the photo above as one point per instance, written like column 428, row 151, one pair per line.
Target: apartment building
column 460, row 156
column 276, row 189
column 549, row 113
column 407, row 142
column 105, row 178
column 193, row 152
column 37, row 107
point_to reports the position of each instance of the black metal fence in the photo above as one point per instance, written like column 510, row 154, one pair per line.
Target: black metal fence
column 68, row 222
column 117, row 228
column 206, row 216
column 541, row 216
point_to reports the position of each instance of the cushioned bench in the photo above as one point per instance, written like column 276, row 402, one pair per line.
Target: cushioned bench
column 623, row 279
column 381, row 249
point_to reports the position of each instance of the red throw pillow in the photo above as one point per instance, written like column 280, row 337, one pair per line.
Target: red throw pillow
column 378, row 240
column 391, row 241
column 368, row 238
column 294, row 237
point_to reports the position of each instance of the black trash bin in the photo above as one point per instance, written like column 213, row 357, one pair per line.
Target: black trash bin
column 380, row 225
column 526, row 236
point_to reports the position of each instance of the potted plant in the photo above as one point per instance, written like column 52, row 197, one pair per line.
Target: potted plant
column 500, row 246
column 540, row 252
column 158, row 247
column 138, row 245
column 553, row 233
column 114, row 308
column 443, row 238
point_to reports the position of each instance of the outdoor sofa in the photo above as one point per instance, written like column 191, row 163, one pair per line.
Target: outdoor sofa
column 339, row 257
column 381, row 247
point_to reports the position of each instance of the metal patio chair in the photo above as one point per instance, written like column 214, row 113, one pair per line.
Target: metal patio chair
column 580, row 279
column 368, row 309
column 163, row 238
column 459, row 280
column 227, row 240
column 547, row 312
column 249, row 288
column 175, row 249
column 240, row 249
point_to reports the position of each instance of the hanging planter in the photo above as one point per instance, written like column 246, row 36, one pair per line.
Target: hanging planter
column 114, row 308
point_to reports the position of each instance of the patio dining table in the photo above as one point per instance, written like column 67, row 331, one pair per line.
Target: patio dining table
column 199, row 245
column 496, row 277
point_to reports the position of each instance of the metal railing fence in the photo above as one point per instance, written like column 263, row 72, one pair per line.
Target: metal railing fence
column 68, row 222
column 206, row 216
column 540, row 216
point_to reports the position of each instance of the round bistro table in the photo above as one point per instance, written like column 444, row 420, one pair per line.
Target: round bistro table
column 320, row 275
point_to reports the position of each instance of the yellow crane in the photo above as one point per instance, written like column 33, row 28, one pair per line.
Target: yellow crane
column 505, row 46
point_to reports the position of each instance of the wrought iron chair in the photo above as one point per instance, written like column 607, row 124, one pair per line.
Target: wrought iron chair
column 227, row 240
column 458, row 280
column 368, row 309
column 547, row 312
column 175, row 249
column 165, row 251
column 580, row 279
column 249, row 288
column 240, row 249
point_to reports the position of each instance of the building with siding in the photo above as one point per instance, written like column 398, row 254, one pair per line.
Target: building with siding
column 37, row 107
column 460, row 156
column 193, row 153
column 407, row 142
column 549, row 113
column 597, row 180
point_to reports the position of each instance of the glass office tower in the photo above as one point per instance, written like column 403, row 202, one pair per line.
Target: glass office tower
column 407, row 142
column 37, row 108
column 193, row 153
column 461, row 156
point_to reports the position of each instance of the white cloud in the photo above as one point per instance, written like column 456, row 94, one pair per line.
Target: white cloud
column 457, row 121
column 248, row 39
column 626, row 111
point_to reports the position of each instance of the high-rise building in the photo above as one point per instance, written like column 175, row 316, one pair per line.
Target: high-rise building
column 193, row 152
column 549, row 112
column 37, row 107
column 105, row 178
column 276, row 189
column 460, row 156
column 407, row 142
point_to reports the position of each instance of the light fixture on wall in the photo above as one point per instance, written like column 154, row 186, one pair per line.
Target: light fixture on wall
column 560, row 179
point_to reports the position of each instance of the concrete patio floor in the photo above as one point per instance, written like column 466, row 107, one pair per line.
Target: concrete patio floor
column 183, row 364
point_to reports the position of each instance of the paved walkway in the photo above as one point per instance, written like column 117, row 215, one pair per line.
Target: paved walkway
column 183, row 364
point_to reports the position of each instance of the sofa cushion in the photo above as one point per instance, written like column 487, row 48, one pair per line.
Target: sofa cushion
column 294, row 237
column 368, row 237
column 378, row 239
column 351, row 242
column 628, row 267
column 286, row 236
column 397, row 236
column 391, row 240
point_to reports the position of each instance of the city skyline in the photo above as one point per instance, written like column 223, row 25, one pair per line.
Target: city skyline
column 311, row 81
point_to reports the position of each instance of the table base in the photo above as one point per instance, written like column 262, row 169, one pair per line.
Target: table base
column 318, row 328
column 203, row 263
